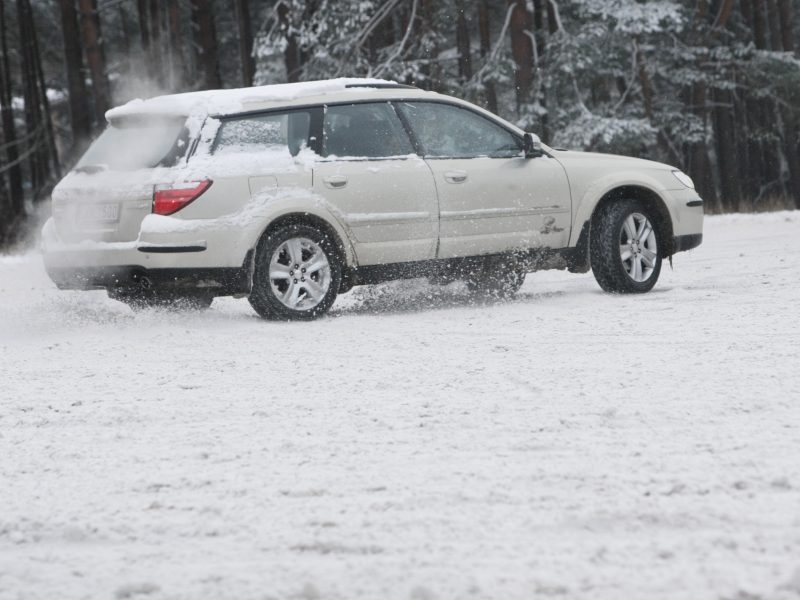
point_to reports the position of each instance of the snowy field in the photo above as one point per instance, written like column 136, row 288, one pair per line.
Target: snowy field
column 567, row 444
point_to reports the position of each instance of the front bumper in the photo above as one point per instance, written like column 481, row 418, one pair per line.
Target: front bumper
column 686, row 212
column 681, row 243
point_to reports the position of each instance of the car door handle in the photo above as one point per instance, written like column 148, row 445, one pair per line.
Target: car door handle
column 455, row 176
column 335, row 181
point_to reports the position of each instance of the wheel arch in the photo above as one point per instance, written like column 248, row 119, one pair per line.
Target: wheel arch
column 652, row 200
column 341, row 242
column 647, row 195
column 263, row 297
column 578, row 254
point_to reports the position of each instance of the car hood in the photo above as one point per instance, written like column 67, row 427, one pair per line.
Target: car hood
column 588, row 170
column 605, row 161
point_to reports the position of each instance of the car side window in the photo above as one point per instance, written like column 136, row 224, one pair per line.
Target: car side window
column 283, row 132
column 364, row 131
column 446, row 131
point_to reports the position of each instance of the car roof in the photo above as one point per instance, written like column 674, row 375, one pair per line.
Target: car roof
column 244, row 100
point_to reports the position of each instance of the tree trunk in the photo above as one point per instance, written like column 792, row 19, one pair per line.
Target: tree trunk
column 463, row 45
column 125, row 37
column 725, row 12
column 79, row 113
column 773, row 19
column 790, row 150
column 291, row 54
column 759, row 24
column 781, row 40
column 538, row 25
column 6, row 215
column 700, row 169
column 11, row 202
column 33, row 116
column 384, row 34
column 92, row 45
column 552, row 18
column 206, row 43
column 7, row 116
column 787, row 24
column 766, row 165
column 521, row 51
column 50, row 137
column 724, row 126
column 144, row 30
column 177, row 71
column 156, row 55
column 430, row 46
column 648, row 94
column 539, row 17
column 245, row 41
column 484, row 28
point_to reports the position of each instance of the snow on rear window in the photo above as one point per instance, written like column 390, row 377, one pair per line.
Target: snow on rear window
column 131, row 144
column 285, row 132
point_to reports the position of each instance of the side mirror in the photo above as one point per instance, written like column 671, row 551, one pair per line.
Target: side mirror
column 532, row 145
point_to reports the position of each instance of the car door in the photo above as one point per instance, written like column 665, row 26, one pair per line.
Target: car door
column 491, row 197
column 384, row 193
column 251, row 155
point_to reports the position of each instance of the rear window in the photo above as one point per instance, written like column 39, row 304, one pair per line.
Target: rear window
column 133, row 144
column 286, row 133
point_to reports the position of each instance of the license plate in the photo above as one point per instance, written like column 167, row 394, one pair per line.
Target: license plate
column 98, row 213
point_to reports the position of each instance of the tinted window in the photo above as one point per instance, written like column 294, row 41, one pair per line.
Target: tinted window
column 284, row 132
column 364, row 130
column 449, row 131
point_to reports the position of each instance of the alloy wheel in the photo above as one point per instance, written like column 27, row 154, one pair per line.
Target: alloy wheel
column 299, row 273
column 638, row 247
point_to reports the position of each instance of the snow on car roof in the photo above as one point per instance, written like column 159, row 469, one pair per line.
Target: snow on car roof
column 235, row 100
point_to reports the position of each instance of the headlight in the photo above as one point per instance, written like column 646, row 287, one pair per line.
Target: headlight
column 684, row 179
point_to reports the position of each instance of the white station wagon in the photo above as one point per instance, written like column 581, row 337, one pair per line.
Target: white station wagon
column 291, row 194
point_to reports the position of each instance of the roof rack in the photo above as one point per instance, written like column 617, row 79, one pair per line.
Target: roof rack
column 382, row 86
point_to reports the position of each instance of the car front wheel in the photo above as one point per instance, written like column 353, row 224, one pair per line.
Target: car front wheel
column 297, row 273
column 624, row 247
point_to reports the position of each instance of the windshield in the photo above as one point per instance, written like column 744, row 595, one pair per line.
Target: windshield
column 136, row 144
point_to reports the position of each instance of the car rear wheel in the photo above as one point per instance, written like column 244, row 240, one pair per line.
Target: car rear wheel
column 297, row 273
column 624, row 248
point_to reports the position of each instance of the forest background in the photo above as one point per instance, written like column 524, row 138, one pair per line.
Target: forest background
column 710, row 86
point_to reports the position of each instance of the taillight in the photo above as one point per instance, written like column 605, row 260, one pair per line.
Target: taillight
column 171, row 197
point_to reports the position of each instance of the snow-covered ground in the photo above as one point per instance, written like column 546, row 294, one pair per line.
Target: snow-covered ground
column 566, row 444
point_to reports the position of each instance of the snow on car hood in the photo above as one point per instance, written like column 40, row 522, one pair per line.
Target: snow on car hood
column 212, row 102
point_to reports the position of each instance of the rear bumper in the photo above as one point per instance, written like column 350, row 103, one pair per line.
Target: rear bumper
column 165, row 243
column 219, row 281
column 214, row 258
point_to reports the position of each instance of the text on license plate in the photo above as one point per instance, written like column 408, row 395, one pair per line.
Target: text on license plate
column 99, row 213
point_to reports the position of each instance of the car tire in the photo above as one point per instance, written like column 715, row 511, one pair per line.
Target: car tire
column 624, row 247
column 496, row 277
column 297, row 274
column 147, row 299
